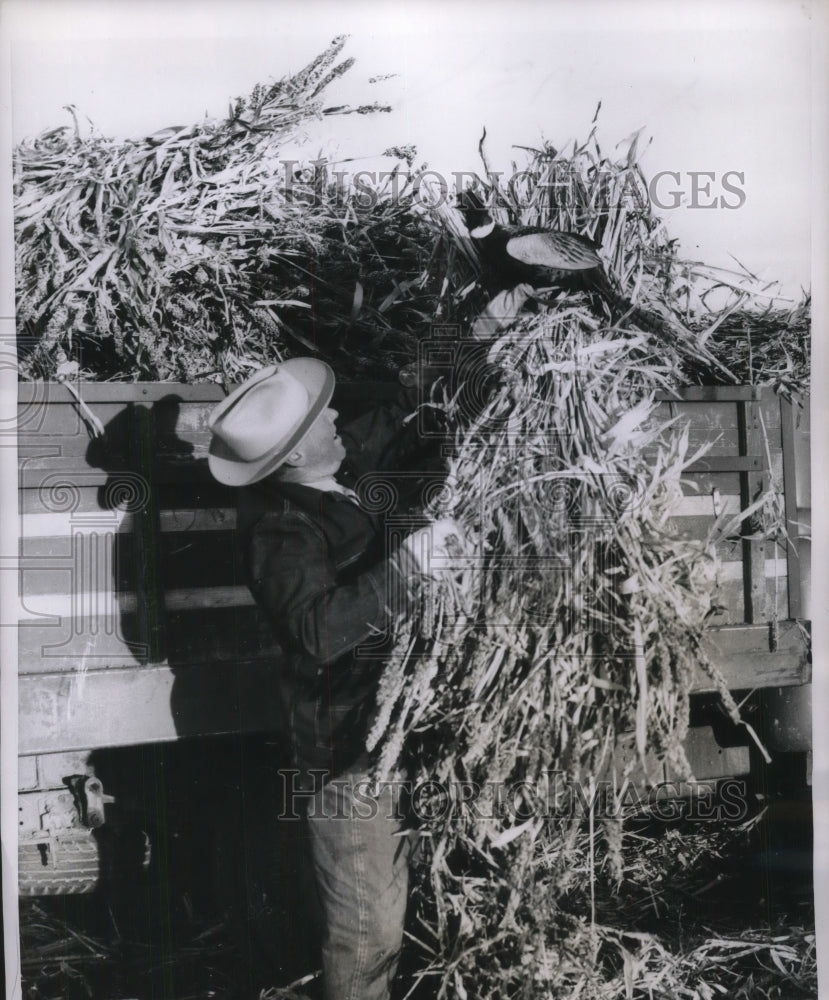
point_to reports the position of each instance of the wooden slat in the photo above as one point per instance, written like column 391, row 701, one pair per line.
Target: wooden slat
column 124, row 392
column 60, row 416
column 769, row 407
column 728, row 596
column 726, row 463
column 120, row 707
column 706, row 483
column 753, row 484
column 74, row 607
column 108, row 562
column 745, row 659
column 72, row 498
column 714, row 393
column 168, row 471
column 790, row 502
column 699, row 528
column 32, row 395
column 192, row 519
column 27, row 776
column 192, row 561
column 192, row 492
column 151, row 392
column 65, row 645
column 772, row 569
column 191, row 636
column 709, row 761
column 64, row 526
column 50, row 769
column 712, row 426
column 706, row 506
column 777, row 595
column 64, row 605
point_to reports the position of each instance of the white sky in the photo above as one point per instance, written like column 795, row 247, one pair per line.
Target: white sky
column 717, row 87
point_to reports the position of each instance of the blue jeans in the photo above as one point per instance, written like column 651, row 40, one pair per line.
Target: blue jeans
column 360, row 856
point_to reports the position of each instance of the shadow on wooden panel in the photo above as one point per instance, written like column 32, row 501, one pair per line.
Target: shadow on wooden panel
column 209, row 806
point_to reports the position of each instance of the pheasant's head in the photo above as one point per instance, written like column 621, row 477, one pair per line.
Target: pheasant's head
column 473, row 210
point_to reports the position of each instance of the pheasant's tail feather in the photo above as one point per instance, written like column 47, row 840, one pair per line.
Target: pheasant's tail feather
column 623, row 309
column 647, row 321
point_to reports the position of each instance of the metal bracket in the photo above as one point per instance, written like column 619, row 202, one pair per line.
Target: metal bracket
column 88, row 793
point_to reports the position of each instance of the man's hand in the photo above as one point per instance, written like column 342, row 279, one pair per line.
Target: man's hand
column 500, row 311
column 430, row 545
column 415, row 374
column 496, row 314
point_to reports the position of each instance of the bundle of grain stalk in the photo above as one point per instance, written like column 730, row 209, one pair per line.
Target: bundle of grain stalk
column 572, row 614
column 205, row 251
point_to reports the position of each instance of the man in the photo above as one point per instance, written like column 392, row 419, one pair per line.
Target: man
column 318, row 565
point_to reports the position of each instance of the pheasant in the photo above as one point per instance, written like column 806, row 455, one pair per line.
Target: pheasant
column 544, row 257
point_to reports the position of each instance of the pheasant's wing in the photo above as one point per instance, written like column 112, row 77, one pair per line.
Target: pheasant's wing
column 564, row 251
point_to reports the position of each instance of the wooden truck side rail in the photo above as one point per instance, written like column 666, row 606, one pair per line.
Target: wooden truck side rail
column 132, row 586
column 135, row 622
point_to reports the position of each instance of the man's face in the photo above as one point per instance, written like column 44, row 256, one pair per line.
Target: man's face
column 322, row 449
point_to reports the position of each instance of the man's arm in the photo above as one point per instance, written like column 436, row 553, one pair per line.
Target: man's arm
column 386, row 437
column 498, row 313
column 295, row 582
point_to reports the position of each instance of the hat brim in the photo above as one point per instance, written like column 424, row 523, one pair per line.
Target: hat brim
column 225, row 464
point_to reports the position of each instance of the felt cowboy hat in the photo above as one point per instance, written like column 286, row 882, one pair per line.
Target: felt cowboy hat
column 259, row 424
